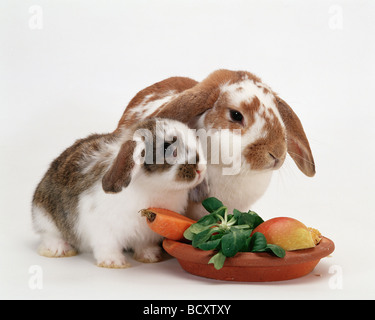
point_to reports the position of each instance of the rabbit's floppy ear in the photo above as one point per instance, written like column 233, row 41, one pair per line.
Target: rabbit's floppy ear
column 201, row 97
column 119, row 174
column 189, row 104
column 298, row 145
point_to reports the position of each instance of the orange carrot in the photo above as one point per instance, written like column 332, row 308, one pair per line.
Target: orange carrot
column 167, row 223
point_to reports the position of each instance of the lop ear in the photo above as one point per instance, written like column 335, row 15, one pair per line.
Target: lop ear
column 119, row 174
column 189, row 104
column 298, row 145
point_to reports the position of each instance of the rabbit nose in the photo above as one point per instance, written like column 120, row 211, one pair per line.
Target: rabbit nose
column 273, row 157
column 200, row 168
column 276, row 160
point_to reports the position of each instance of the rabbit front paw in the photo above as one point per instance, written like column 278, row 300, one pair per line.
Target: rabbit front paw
column 56, row 248
column 112, row 261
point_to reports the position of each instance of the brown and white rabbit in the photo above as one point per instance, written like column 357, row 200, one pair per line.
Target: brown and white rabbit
column 90, row 197
column 267, row 128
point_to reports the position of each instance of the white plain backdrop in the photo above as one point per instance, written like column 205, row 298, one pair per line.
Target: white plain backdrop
column 69, row 68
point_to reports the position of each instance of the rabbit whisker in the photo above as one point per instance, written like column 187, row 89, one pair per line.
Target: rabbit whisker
column 299, row 156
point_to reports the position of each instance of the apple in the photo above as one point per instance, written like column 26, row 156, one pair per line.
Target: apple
column 288, row 233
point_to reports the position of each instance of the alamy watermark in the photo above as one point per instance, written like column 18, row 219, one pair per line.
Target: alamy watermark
column 36, row 277
column 36, row 19
column 336, row 282
column 219, row 147
column 336, row 17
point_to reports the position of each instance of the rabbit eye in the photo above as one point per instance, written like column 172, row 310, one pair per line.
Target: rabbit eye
column 168, row 151
column 166, row 146
column 236, row 116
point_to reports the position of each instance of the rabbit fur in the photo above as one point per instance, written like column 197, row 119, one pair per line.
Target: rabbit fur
column 90, row 197
column 263, row 125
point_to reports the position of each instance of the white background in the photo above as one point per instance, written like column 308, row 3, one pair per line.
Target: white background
column 76, row 74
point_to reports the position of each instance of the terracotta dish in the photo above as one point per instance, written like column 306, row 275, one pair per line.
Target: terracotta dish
column 247, row 266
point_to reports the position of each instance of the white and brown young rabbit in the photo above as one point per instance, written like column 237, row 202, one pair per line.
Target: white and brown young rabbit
column 267, row 128
column 89, row 199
